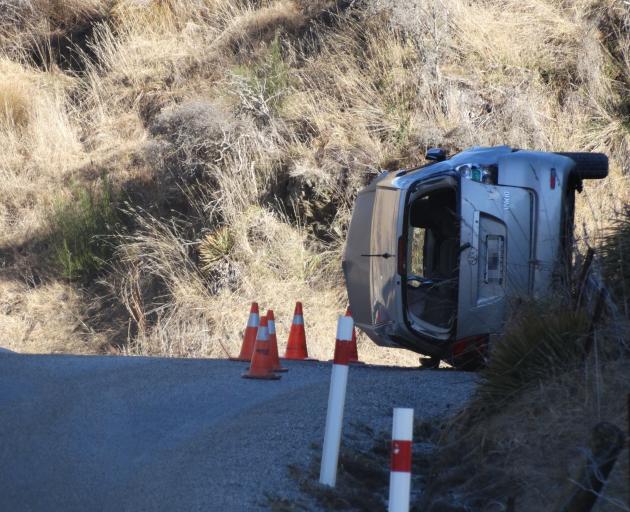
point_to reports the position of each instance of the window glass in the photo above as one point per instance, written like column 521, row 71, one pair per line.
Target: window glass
column 416, row 254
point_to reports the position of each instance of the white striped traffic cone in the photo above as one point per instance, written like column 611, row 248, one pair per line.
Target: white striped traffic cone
column 249, row 338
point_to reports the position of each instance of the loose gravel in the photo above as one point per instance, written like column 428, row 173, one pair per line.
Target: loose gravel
column 123, row 433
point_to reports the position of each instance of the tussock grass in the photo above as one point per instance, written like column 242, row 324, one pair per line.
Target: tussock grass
column 540, row 342
column 15, row 106
column 531, row 448
column 47, row 318
column 215, row 248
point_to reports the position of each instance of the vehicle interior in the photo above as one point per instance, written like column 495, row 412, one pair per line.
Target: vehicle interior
column 433, row 250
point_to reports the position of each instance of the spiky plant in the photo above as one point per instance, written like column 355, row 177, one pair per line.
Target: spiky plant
column 215, row 247
column 539, row 343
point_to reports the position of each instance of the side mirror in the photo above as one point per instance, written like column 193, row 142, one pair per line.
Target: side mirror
column 436, row 154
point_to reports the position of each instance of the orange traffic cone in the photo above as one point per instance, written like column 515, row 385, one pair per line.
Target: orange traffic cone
column 296, row 346
column 249, row 338
column 273, row 343
column 354, row 355
column 261, row 366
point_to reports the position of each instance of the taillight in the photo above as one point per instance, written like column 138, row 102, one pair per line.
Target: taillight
column 402, row 257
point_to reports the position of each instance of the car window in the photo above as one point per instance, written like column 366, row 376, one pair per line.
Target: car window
column 416, row 255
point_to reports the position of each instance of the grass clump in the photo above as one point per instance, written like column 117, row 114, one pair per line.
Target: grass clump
column 81, row 227
column 538, row 344
column 15, row 105
column 215, row 247
column 262, row 87
column 615, row 260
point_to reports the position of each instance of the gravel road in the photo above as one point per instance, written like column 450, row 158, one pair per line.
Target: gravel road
column 123, row 433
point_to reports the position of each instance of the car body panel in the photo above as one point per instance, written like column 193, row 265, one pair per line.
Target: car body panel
column 513, row 225
column 356, row 267
column 496, row 221
column 533, row 170
column 384, row 278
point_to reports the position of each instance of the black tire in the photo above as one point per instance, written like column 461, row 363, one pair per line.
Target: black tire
column 431, row 362
column 470, row 362
column 589, row 166
column 474, row 355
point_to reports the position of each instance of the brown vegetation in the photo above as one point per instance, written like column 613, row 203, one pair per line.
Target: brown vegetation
column 234, row 137
column 248, row 127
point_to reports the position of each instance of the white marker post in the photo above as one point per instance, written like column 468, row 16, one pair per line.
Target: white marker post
column 400, row 476
column 336, row 401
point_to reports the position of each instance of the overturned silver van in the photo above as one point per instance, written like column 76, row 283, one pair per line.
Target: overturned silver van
column 435, row 255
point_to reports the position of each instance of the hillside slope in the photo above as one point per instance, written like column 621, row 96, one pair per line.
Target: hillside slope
column 232, row 137
column 166, row 162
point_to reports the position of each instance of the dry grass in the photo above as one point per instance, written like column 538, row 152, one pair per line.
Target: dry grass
column 241, row 131
column 536, row 444
column 15, row 106
column 46, row 319
column 39, row 146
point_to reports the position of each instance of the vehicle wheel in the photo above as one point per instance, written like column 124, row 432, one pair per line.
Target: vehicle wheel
column 589, row 166
column 430, row 362
column 470, row 362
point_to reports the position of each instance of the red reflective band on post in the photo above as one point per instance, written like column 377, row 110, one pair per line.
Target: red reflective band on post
column 343, row 352
column 401, row 456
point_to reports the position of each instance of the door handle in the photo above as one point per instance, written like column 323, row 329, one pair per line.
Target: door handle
column 384, row 255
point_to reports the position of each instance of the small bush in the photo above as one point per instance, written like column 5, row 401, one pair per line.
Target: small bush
column 191, row 141
column 15, row 105
column 215, row 247
column 538, row 344
column 263, row 87
column 81, row 227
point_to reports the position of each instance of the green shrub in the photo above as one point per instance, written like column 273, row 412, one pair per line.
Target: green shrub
column 264, row 85
column 215, row 247
column 540, row 343
column 81, row 228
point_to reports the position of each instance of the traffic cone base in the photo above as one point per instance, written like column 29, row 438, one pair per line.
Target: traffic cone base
column 270, row 376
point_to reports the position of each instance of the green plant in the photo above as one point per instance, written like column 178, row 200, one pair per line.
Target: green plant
column 538, row 344
column 215, row 247
column 81, row 225
column 263, row 86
